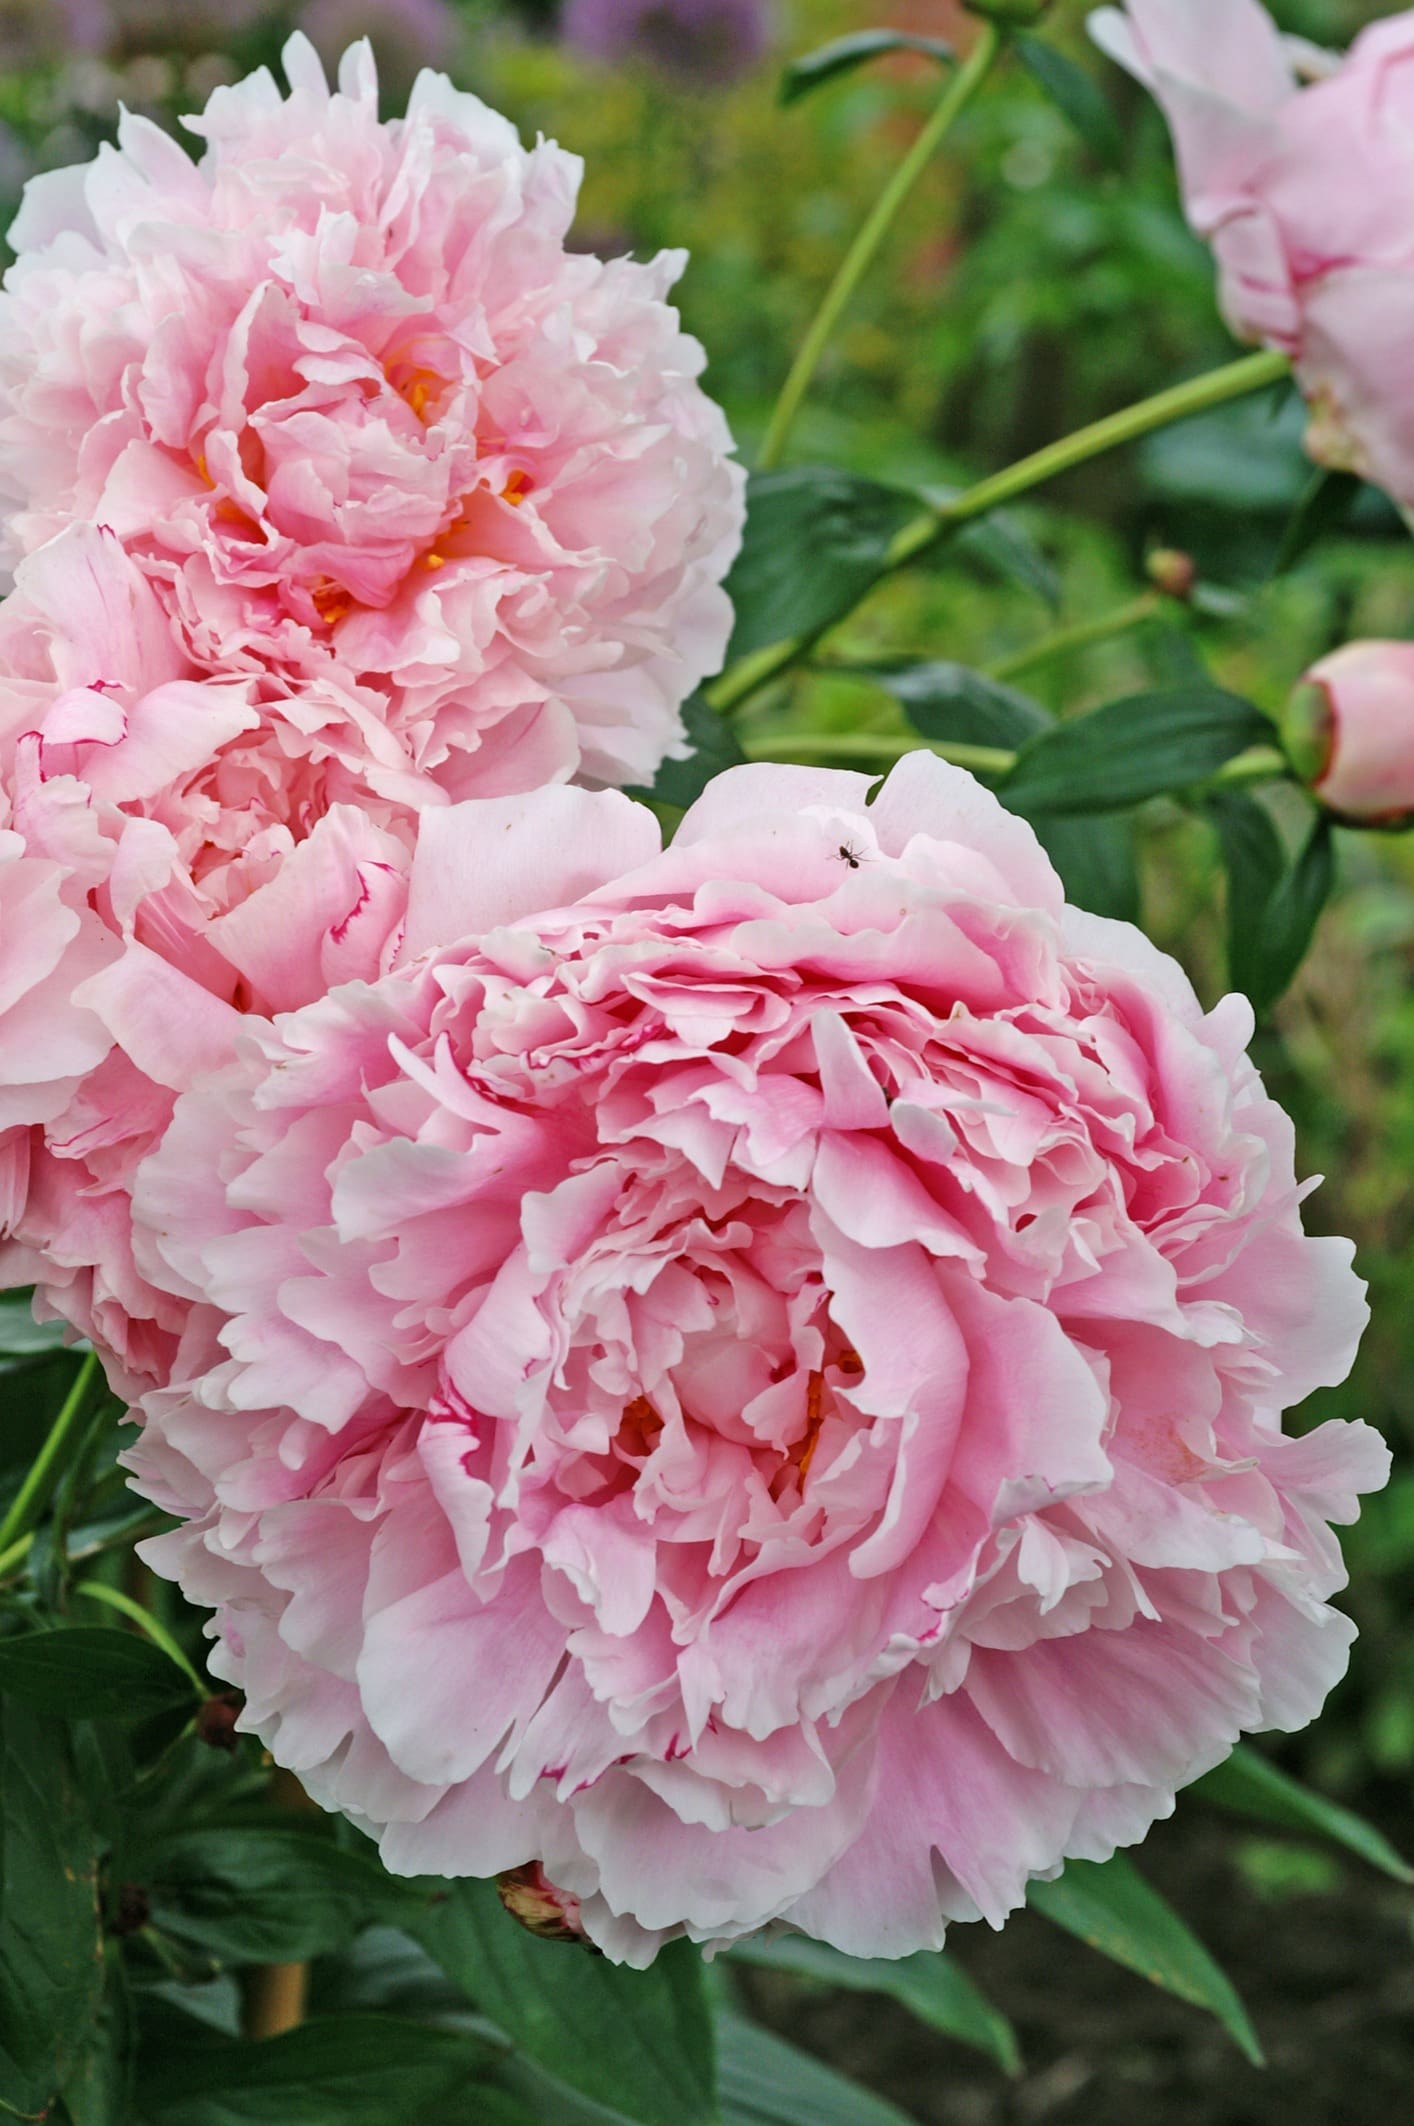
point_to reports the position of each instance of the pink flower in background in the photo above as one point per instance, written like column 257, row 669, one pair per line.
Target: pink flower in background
column 1349, row 727
column 382, row 447
column 1306, row 194
column 751, row 1376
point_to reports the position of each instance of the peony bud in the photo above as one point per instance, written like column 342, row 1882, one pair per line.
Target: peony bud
column 216, row 1721
column 1349, row 732
column 529, row 1896
column 1172, row 572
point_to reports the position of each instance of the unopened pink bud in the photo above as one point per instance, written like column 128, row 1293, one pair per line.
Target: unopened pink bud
column 1349, row 732
column 529, row 1896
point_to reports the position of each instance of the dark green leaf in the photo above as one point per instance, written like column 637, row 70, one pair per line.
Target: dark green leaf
column 816, row 539
column 252, row 1895
column 766, row 2082
column 1143, row 746
column 343, row 2070
column 21, row 1336
column 1116, row 1911
column 89, row 1672
column 1250, row 1785
column 98, row 2089
column 844, row 54
column 51, row 1947
column 931, row 1986
column 1095, row 859
column 639, row 2042
column 1003, row 550
column 1273, row 905
column 1323, row 508
column 950, row 701
column 1075, row 95
column 714, row 747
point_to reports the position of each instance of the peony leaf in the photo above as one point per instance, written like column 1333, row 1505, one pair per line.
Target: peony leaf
column 1116, row 1911
column 1147, row 745
column 767, row 2082
column 930, row 1985
column 1273, row 904
column 21, row 1336
column 1075, row 95
column 843, row 54
column 256, row 1895
column 98, row 2088
column 1095, row 859
column 951, row 701
column 1323, row 508
column 361, row 2070
column 816, row 539
column 51, row 1946
column 1251, row 1785
column 1000, row 548
column 639, row 2042
column 714, row 747
column 87, row 1672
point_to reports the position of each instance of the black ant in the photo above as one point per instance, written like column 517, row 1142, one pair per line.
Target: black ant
column 850, row 855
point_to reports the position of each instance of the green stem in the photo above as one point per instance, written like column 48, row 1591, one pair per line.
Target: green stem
column 860, row 255
column 96, row 1591
column 871, row 747
column 1254, row 372
column 1082, row 636
column 1218, row 387
column 30, row 1500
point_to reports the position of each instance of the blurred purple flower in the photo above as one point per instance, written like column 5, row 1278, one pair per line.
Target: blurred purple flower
column 33, row 31
column 406, row 36
column 695, row 40
column 138, row 26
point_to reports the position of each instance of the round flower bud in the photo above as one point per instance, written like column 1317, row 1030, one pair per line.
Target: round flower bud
column 1348, row 729
column 1172, row 572
column 751, row 1375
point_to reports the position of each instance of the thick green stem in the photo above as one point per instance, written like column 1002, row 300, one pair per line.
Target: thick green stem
column 1254, row 372
column 44, row 1471
column 869, row 748
column 860, row 255
column 1201, row 394
column 1083, row 636
column 875, row 749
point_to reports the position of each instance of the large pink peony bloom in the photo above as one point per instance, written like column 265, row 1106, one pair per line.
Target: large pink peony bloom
column 1307, row 196
column 379, row 442
column 759, row 1388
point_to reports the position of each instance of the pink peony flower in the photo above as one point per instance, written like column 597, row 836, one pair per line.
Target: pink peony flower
column 751, row 1376
column 1306, row 194
column 50, row 943
column 208, row 873
column 380, row 444
column 1349, row 728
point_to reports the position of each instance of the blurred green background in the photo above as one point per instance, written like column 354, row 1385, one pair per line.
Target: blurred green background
column 1030, row 286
